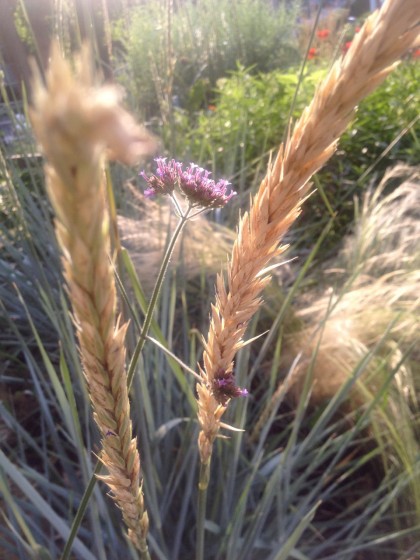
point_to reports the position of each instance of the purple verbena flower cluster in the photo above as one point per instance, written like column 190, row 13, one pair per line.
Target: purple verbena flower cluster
column 167, row 176
column 225, row 388
column 200, row 190
column 194, row 184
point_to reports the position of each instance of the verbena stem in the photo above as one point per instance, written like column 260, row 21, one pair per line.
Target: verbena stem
column 132, row 368
column 156, row 290
column 203, row 485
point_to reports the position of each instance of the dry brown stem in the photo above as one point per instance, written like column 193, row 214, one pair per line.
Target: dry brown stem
column 75, row 122
column 374, row 52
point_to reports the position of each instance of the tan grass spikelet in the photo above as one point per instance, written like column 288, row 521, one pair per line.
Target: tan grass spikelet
column 75, row 122
column 375, row 50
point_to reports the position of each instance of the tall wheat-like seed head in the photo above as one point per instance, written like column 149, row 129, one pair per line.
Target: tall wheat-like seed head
column 374, row 52
column 75, row 123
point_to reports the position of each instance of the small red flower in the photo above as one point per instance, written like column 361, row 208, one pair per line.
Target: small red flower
column 357, row 30
column 211, row 107
column 312, row 53
column 416, row 53
column 347, row 45
column 323, row 33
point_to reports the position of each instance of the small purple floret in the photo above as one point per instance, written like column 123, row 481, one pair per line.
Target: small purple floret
column 225, row 388
column 200, row 190
column 194, row 183
column 165, row 180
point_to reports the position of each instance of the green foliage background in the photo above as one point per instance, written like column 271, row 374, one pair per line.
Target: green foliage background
column 167, row 52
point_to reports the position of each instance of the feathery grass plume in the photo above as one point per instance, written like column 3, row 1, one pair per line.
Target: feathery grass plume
column 379, row 271
column 376, row 310
column 387, row 232
column 374, row 52
column 75, row 122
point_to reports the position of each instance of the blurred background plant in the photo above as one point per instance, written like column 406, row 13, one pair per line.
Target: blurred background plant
column 328, row 463
column 174, row 52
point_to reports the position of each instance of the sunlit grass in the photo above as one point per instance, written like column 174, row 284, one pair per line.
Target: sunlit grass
column 327, row 464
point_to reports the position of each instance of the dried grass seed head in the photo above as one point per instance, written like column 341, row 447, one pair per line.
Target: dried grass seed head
column 76, row 120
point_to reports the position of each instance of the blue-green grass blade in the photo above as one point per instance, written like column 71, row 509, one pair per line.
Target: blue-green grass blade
column 42, row 506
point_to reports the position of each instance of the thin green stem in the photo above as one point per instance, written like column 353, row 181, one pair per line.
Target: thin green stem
column 144, row 555
column 203, row 485
column 155, row 295
column 178, row 207
column 81, row 511
column 301, row 76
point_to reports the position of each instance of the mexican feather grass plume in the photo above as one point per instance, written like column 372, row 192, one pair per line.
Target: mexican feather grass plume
column 373, row 54
column 75, row 122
